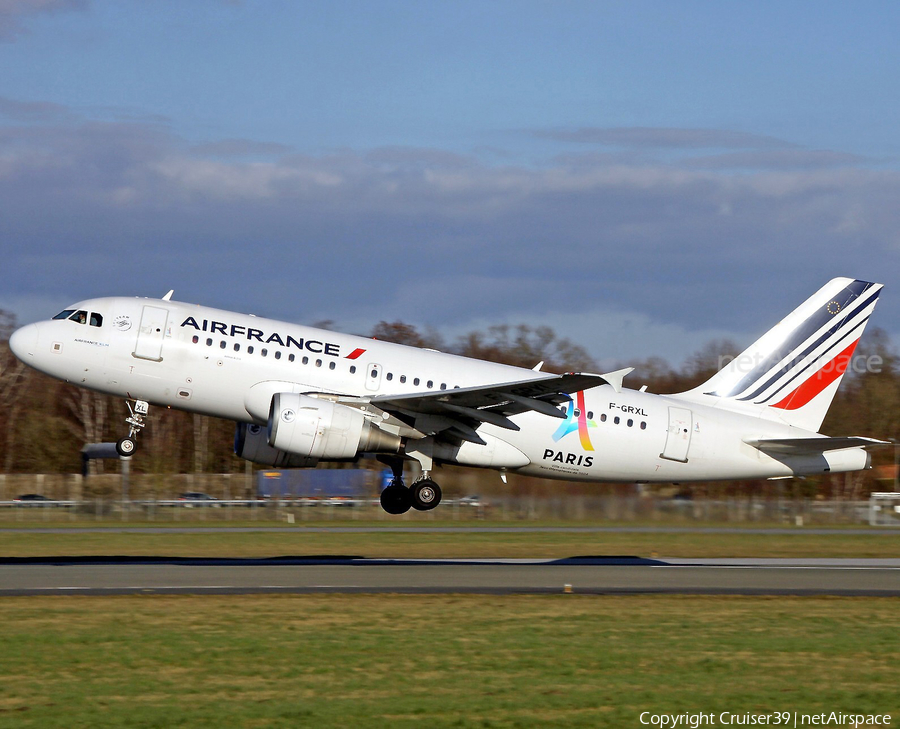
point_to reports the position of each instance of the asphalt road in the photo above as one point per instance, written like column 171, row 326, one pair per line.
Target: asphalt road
column 600, row 575
column 349, row 529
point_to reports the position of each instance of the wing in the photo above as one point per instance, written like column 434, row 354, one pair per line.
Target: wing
column 812, row 445
column 455, row 414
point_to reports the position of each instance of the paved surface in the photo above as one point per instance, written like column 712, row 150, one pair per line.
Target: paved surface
column 348, row 529
column 585, row 575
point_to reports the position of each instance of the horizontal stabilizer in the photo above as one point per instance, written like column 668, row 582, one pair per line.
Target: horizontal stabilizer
column 812, row 445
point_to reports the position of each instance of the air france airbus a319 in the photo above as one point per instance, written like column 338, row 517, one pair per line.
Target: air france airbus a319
column 301, row 395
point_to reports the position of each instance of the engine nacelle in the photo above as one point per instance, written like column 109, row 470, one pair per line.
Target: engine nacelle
column 252, row 444
column 320, row 429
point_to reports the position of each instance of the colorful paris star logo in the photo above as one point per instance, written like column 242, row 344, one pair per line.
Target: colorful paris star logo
column 576, row 419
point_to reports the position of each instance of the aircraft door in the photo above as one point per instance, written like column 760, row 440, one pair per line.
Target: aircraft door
column 151, row 333
column 678, row 436
column 373, row 377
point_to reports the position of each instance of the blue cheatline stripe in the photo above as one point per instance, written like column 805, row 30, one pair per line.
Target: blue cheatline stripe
column 806, row 329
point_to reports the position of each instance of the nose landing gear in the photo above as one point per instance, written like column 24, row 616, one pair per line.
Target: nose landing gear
column 127, row 445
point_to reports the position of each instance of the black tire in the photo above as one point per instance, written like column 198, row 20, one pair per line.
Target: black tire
column 395, row 499
column 425, row 495
column 126, row 446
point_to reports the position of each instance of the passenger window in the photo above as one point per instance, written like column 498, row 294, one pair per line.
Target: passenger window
column 403, row 378
column 237, row 347
column 249, row 349
column 209, row 342
column 352, row 369
column 630, row 422
column 223, row 344
column 416, row 382
column 430, row 384
column 291, row 357
column 643, row 425
column 331, row 365
column 602, row 417
column 305, row 360
column 389, row 376
column 616, row 420
column 96, row 320
column 195, row 339
column 278, row 355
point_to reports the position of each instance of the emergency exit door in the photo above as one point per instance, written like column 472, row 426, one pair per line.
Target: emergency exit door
column 678, row 436
column 151, row 333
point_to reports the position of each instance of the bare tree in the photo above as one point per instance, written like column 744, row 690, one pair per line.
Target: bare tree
column 401, row 333
column 201, row 442
column 91, row 410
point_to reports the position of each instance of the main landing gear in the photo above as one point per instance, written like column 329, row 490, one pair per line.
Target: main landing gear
column 423, row 495
column 127, row 445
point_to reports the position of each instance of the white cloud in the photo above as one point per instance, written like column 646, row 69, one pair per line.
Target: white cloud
column 614, row 254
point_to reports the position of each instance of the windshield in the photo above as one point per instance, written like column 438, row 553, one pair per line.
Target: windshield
column 81, row 316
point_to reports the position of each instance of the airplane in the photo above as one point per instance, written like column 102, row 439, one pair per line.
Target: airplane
column 300, row 396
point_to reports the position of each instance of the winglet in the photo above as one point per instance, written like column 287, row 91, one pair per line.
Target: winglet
column 615, row 378
column 168, row 296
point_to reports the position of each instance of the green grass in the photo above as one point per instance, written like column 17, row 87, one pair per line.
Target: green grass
column 437, row 661
column 301, row 541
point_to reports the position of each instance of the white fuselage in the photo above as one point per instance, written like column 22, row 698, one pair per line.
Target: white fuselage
column 229, row 365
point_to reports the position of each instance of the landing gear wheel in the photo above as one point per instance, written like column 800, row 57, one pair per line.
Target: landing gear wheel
column 425, row 494
column 395, row 499
column 126, row 446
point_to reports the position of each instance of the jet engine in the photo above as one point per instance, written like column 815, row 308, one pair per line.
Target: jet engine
column 251, row 444
column 303, row 430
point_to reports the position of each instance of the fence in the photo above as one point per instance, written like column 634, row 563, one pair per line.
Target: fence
column 71, row 497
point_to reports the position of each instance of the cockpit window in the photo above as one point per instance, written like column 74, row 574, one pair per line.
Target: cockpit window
column 96, row 320
column 79, row 316
column 65, row 314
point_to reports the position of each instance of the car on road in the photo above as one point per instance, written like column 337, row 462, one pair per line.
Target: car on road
column 32, row 497
column 197, row 498
column 471, row 501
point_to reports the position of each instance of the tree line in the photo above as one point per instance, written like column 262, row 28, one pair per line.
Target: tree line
column 44, row 423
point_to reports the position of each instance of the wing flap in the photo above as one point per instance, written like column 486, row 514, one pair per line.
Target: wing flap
column 458, row 412
column 511, row 398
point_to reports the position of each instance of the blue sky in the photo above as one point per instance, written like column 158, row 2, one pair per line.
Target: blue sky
column 643, row 176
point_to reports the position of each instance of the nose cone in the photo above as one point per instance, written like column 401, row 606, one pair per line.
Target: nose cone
column 23, row 342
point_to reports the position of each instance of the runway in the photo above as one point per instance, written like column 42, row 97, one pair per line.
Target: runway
column 579, row 575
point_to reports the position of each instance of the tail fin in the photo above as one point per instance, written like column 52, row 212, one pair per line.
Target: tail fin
column 792, row 372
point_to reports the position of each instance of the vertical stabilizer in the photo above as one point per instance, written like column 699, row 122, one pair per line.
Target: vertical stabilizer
column 792, row 372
